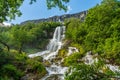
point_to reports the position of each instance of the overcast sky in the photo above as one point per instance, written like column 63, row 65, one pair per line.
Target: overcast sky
column 39, row 10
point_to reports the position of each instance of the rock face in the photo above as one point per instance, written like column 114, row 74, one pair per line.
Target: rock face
column 80, row 15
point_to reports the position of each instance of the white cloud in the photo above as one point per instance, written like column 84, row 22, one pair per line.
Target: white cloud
column 69, row 9
column 7, row 24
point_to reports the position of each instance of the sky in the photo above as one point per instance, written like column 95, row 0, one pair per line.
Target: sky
column 39, row 9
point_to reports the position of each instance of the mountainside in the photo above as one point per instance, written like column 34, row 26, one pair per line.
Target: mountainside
column 80, row 15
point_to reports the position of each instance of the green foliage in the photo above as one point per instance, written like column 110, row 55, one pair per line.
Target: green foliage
column 99, row 32
column 75, row 30
column 8, row 66
column 20, row 37
column 9, row 8
column 5, row 58
column 73, row 59
column 11, row 71
column 15, row 40
column 36, row 66
column 97, row 71
column 55, row 3
column 4, row 78
column 79, row 47
column 14, row 65
column 4, row 37
column 27, row 36
column 112, row 50
column 62, row 53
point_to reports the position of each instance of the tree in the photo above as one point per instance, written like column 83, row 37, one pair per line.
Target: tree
column 10, row 8
column 55, row 3
column 4, row 40
column 20, row 37
column 72, row 28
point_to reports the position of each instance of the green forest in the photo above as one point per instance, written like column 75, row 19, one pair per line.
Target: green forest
column 98, row 33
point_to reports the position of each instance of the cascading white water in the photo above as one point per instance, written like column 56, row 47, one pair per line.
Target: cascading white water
column 51, row 52
column 54, row 45
column 56, row 41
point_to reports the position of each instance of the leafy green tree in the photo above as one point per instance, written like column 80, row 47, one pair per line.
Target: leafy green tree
column 99, row 32
column 20, row 37
column 59, row 3
column 9, row 8
column 4, row 37
column 10, row 71
column 100, row 22
column 72, row 28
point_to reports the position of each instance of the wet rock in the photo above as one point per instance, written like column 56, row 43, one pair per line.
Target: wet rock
column 72, row 50
column 90, row 58
column 29, row 76
column 57, row 59
column 89, row 53
column 46, row 63
column 54, row 77
column 66, row 43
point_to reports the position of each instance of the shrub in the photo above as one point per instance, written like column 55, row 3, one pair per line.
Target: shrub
column 36, row 66
column 90, row 72
column 72, row 59
column 10, row 71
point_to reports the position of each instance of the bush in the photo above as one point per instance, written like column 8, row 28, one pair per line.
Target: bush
column 6, row 58
column 36, row 66
column 90, row 72
column 73, row 59
column 10, row 71
column 62, row 53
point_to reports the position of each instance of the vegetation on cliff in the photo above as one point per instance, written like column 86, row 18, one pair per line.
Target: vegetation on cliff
column 99, row 33
column 18, row 40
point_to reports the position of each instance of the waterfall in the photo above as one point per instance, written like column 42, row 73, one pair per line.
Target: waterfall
column 54, row 44
column 53, row 47
column 56, row 41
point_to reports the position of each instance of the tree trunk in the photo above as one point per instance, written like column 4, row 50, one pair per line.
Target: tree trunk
column 8, row 48
column 1, row 49
column 20, row 48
